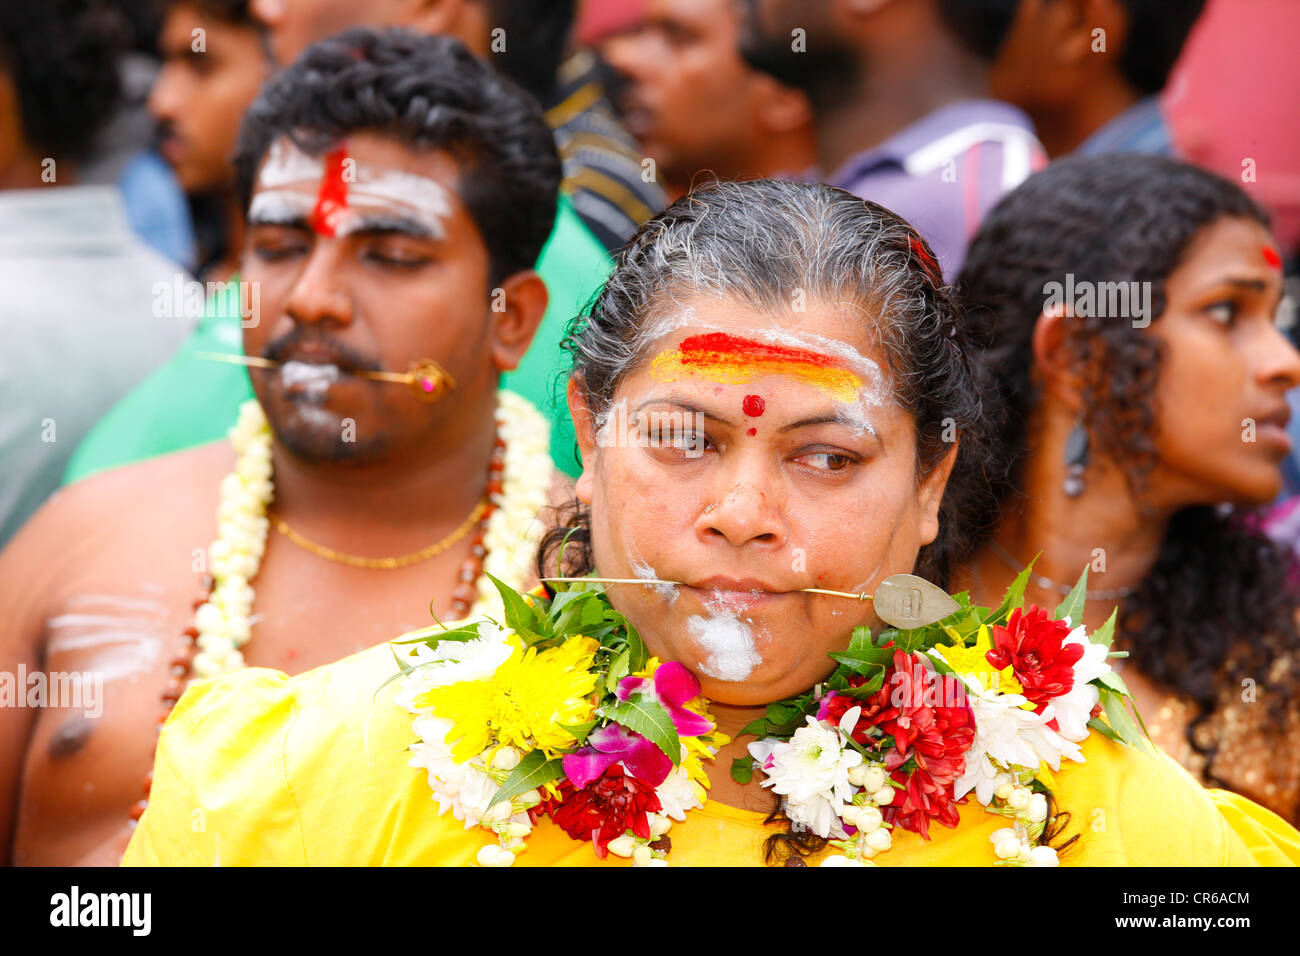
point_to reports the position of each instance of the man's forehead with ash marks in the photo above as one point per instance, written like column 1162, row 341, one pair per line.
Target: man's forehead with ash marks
column 336, row 195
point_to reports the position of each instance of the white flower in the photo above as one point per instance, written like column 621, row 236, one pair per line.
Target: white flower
column 1037, row 810
column 1043, row 856
column 1074, row 709
column 811, row 771
column 678, row 794
column 454, row 661
column 463, row 788
column 622, row 845
column 839, row 859
column 1006, row 736
column 493, row 855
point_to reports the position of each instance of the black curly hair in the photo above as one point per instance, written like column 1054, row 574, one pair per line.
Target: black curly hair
column 1216, row 607
column 62, row 58
column 430, row 92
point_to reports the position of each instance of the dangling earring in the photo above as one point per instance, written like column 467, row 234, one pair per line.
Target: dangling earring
column 1076, row 458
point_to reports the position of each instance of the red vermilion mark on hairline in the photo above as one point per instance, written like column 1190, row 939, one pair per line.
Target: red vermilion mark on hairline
column 733, row 360
column 1272, row 258
column 927, row 261
column 753, row 405
column 332, row 199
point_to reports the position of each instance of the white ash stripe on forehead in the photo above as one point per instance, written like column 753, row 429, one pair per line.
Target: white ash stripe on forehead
column 279, row 206
column 419, row 198
column 286, row 163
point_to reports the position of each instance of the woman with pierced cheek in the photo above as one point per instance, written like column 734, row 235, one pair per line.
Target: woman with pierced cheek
column 772, row 393
column 1129, row 309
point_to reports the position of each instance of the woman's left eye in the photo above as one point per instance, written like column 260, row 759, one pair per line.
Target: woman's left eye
column 826, row 461
column 1224, row 312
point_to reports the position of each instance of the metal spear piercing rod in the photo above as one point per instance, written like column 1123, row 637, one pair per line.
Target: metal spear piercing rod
column 901, row 600
column 428, row 379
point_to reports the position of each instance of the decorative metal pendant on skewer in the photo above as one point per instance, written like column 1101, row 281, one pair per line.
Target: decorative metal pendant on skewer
column 901, row 600
column 426, row 378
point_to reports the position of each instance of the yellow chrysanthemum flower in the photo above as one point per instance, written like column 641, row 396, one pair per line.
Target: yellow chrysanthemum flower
column 971, row 661
column 523, row 704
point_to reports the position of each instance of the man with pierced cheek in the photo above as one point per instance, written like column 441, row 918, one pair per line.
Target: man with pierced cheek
column 379, row 467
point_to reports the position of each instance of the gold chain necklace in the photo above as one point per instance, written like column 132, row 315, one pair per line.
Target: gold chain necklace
column 382, row 564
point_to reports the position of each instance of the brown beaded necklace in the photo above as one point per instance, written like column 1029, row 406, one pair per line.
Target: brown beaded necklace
column 462, row 599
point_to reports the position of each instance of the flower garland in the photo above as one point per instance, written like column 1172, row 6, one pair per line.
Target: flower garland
column 913, row 721
column 235, row 556
column 559, row 712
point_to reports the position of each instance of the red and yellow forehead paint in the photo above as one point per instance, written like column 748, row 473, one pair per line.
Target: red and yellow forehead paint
column 732, row 360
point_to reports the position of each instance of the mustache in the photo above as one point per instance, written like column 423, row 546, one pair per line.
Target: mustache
column 345, row 355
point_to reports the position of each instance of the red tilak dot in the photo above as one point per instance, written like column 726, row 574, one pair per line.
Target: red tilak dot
column 752, row 432
column 753, row 406
column 1272, row 258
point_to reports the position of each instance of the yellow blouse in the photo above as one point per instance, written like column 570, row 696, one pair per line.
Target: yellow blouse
column 257, row 768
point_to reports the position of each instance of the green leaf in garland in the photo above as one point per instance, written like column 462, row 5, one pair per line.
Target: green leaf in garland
column 1103, row 728
column 648, row 718
column 638, row 656
column 618, row 669
column 522, row 618
column 917, row 639
column 742, row 769
column 870, row 688
column 578, row 732
column 1115, row 682
column 864, row 661
column 1015, row 596
column 534, row 771
column 435, row 635
column 578, row 615
column 1118, row 717
column 1071, row 609
column 757, row 728
column 1106, row 633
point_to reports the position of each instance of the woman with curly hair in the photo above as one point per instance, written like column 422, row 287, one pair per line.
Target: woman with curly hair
column 771, row 393
column 1127, row 307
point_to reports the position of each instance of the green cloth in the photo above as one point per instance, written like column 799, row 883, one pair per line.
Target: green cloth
column 190, row 401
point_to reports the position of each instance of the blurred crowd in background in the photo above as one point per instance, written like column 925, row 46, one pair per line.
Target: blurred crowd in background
column 118, row 120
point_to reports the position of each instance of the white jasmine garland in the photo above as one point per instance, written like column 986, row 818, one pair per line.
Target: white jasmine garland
column 511, row 536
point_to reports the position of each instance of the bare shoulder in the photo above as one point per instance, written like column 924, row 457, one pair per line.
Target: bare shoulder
column 123, row 510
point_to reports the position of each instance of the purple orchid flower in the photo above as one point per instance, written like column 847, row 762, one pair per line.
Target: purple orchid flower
column 609, row 745
column 673, row 686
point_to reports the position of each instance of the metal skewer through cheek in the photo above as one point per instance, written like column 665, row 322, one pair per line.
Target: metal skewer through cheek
column 427, row 379
column 901, row 600
column 860, row 598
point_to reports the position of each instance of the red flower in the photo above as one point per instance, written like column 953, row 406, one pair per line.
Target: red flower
column 834, row 706
column 931, row 723
column 1032, row 645
column 607, row 807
